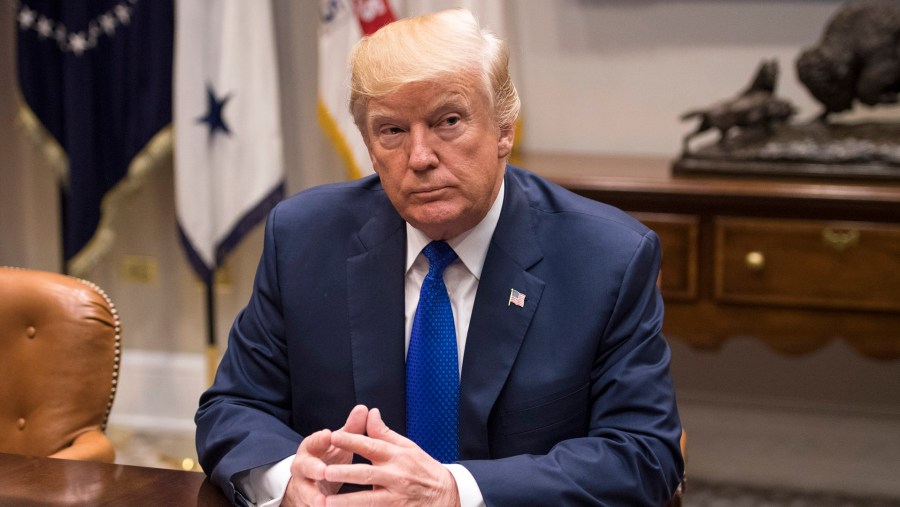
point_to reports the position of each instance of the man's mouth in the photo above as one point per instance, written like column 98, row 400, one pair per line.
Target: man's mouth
column 429, row 192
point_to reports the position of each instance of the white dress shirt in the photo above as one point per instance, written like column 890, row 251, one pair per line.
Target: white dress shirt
column 265, row 486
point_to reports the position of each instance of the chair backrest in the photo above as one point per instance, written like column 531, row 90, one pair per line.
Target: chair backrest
column 60, row 344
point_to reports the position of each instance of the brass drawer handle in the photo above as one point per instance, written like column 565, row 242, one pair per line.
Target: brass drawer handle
column 755, row 261
column 840, row 239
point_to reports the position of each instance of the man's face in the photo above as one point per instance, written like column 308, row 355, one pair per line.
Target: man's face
column 439, row 153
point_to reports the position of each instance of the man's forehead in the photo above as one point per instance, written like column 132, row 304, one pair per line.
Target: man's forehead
column 421, row 103
column 424, row 98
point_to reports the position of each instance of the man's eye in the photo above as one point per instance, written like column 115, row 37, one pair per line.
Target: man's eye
column 452, row 120
column 391, row 131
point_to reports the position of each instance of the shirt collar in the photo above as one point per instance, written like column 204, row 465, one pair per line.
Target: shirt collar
column 471, row 246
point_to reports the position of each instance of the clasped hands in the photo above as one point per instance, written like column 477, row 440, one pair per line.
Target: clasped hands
column 400, row 471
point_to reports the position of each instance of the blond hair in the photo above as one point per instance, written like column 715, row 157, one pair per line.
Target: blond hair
column 424, row 48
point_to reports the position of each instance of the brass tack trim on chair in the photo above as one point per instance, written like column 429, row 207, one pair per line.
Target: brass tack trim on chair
column 117, row 324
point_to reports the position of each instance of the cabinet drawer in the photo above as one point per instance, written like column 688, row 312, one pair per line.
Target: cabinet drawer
column 678, row 238
column 805, row 263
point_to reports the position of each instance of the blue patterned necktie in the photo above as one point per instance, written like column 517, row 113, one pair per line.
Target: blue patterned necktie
column 432, row 368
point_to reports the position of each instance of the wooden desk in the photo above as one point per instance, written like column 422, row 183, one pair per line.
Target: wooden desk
column 793, row 263
column 29, row 481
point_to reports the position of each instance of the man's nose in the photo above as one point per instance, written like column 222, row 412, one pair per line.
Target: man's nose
column 421, row 151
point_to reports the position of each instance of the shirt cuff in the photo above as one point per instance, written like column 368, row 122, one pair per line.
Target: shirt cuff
column 469, row 492
column 265, row 486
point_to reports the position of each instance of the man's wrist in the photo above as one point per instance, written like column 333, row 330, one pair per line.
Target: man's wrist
column 468, row 494
column 265, row 485
column 453, row 490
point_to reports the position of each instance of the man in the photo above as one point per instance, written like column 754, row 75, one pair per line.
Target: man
column 559, row 376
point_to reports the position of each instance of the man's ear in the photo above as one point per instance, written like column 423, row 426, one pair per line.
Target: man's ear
column 505, row 142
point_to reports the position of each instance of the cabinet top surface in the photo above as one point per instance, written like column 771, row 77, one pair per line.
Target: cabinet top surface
column 653, row 175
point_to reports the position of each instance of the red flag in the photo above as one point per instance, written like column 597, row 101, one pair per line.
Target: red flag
column 372, row 14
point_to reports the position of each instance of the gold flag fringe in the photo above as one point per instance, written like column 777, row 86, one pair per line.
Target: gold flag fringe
column 52, row 152
column 159, row 148
column 150, row 157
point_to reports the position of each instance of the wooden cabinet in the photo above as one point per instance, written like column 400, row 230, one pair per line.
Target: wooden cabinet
column 807, row 264
column 793, row 263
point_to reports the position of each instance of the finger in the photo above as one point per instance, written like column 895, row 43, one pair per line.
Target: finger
column 316, row 444
column 376, row 428
column 357, row 498
column 356, row 421
column 308, row 463
column 372, row 449
column 362, row 474
column 309, row 468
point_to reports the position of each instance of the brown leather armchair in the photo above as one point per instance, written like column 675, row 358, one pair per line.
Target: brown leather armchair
column 60, row 344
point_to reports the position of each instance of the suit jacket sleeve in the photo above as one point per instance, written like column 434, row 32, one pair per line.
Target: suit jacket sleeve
column 242, row 422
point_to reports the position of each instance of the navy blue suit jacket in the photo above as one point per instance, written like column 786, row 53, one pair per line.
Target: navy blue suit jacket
column 565, row 401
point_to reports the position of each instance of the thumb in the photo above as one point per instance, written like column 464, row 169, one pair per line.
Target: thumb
column 317, row 443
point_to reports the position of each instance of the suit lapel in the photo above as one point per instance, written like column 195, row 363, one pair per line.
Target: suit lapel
column 497, row 328
column 375, row 278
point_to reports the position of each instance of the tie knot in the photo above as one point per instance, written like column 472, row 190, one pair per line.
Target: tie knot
column 439, row 255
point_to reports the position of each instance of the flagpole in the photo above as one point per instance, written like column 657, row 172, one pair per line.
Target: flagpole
column 212, row 353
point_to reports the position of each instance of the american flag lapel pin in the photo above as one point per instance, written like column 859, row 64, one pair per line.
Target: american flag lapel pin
column 516, row 298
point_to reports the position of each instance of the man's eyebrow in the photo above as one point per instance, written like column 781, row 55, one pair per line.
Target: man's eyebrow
column 454, row 101
column 379, row 117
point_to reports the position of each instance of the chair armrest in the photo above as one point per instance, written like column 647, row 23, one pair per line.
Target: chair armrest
column 92, row 445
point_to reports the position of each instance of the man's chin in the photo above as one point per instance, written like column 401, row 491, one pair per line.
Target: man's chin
column 437, row 224
column 443, row 225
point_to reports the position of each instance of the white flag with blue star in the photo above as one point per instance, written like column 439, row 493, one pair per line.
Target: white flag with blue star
column 228, row 146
